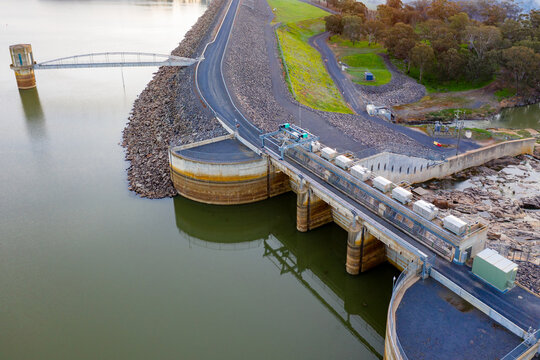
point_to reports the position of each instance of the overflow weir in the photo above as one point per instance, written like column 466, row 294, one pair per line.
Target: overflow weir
column 229, row 170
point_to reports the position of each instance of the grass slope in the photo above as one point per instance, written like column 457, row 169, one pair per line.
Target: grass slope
column 310, row 82
column 288, row 11
column 361, row 57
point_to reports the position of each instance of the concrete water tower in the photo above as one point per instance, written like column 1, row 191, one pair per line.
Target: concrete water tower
column 22, row 62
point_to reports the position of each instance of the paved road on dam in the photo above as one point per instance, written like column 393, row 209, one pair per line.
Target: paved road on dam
column 212, row 87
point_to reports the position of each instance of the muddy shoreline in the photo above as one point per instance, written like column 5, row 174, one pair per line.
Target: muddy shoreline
column 169, row 112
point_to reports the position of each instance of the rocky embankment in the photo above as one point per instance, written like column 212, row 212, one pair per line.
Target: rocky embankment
column 264, row 98
column 169, row 112
column 247, row 69
column 505, row 193
column 402, row 89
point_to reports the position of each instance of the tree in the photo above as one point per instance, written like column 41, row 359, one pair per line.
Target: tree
column 491, row 12
column 353, row 7
column 522, row 62
column 422, row 56
column 459, row 23
column 483, row 38
column 399, row 40
column 333, row 24
column 352, row 27
column 372, row 30
column 396, row 4
column 514, row 30
column 442, row 9
column 452, row 63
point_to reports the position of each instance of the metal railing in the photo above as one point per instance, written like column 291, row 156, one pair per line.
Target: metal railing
column 531, row 340
column 406, row 274
column 115, row 59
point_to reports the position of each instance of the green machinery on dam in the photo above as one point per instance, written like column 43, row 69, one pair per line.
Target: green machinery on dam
column 224, row 171
column 384, row 221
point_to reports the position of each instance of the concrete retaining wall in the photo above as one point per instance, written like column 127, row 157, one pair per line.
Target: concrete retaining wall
column 478, row 304
column 397, row 168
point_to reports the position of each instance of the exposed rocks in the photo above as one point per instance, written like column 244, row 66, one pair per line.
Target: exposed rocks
column 265, row 99
column 247, row 69
column 529, row 276
column 401, row 89
column 532, row 203
column 168, row 112
column 499, row 193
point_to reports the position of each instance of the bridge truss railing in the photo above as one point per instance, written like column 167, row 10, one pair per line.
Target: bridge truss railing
column 394, row 350
column 115, row 59
column 530, row 341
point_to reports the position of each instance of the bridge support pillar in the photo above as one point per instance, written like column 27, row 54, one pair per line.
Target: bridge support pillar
column 311, row 212
column 22, row 62
column 278, row 182
column 373, row 251
column 364, row 251
column 354, row 240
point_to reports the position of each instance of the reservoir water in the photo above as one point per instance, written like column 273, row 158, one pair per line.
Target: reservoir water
column 523, row 117
column 90, row 271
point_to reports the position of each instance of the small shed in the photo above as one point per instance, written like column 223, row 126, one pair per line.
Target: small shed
column 495, row 269
column 368, row 76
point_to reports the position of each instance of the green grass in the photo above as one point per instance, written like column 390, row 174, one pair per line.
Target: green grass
column 434, row 85
column 480, row 134
column 449, row 114
column 504, row 93
column 361, row 63
column 361, row 57
column 476, row 134
column 360, row 47
column 309, row 79
column 523, row 133
column 288, row 11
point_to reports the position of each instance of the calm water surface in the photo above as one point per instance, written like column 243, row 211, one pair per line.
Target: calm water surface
column 90, row 271
column 523, row 117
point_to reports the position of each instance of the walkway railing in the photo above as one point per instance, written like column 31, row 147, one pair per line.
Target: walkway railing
column 115, row 59
column 393, row 348
column 530, row 341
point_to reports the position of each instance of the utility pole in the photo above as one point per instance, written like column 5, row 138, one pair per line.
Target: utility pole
column 459, row 127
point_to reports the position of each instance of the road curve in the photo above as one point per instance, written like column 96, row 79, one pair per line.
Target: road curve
column 211, row 85
column 354, row 97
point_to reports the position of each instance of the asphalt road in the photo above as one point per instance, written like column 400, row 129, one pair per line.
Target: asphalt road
column 358, row 102
column 212, row 87
column 211, row 83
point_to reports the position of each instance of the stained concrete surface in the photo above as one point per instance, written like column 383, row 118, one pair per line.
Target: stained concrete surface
column 224, row 151
column 434, row 323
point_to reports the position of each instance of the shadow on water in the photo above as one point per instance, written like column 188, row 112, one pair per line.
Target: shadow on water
column 33, row 112
column 316, row 259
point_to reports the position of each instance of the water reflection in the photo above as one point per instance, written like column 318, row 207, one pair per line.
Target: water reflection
column 33, row 112
column 316, row 259
column 139, row 2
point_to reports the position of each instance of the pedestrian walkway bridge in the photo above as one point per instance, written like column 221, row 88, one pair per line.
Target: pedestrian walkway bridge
column 24, row 64
column 114, row 59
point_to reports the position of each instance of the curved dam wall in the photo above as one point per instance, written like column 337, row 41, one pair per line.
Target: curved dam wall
column 222, row 171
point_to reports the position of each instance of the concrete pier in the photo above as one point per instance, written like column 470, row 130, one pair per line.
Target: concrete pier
column 354, row 248
column 311, row 211
column 22, row 62
column 223, row 171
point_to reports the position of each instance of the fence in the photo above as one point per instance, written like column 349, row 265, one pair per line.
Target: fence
column 523, row 349
column 478, row 304
column 393, row 348
column 519, row 255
